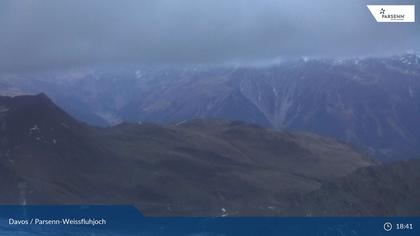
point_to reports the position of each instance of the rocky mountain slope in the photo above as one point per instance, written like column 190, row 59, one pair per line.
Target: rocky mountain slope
column 199, row 167
column 390, row 190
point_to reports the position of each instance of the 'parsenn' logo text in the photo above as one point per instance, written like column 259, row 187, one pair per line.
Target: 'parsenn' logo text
column 393, row 13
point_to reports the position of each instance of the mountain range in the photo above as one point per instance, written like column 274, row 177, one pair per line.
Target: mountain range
column 371, row 103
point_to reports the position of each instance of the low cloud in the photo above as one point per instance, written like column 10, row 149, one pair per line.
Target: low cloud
column 49, row 33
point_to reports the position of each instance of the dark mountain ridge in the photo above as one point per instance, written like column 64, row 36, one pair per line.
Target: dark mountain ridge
column 362, row 193
column 47, row 154
column 200, row 167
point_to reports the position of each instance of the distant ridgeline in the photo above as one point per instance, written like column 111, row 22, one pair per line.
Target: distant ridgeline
column 373, row 104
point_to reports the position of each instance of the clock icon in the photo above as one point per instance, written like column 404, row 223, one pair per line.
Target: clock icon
column 387, row 226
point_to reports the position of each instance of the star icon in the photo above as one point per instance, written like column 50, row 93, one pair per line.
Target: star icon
column 382, row 11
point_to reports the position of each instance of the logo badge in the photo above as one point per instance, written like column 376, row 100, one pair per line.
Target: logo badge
column 393, row 13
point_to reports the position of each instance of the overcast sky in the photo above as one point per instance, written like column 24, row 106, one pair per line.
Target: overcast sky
column 44, row 34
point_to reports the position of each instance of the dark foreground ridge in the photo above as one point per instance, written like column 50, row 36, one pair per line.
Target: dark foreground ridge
column 379, row 190
column 199, row 167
